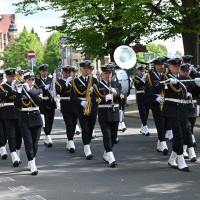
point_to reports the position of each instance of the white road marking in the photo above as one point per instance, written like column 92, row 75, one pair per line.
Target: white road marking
column 18, row 189
column 6, row 179
column 36, row 197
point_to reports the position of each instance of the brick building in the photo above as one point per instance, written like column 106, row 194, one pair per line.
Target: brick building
column 8, row 30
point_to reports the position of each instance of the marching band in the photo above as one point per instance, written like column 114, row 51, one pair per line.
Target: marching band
column 27, row 104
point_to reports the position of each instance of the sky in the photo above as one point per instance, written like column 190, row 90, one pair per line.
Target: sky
column 49, row 18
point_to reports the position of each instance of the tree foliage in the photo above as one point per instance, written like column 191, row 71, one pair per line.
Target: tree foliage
column 99, row 26
column 15, row 54
column 52, row 51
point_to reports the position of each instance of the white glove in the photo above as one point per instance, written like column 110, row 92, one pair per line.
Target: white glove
column 46, row 87
column 114, row 91
column 109, row 97
column 188, row 94
column 91, row 89
column 13, row 84
column 172, row 81
column 68, row 81
column 197, row 81
column 159, row 99
column 26, row 86
column 19, row 89
column 144, row 77
column 84, row 103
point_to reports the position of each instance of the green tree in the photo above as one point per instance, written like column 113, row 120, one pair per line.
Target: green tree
column 15, row 54
column 99, row 26
column 52, row 51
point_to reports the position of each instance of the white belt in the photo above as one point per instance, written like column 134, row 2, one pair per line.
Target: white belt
column 83, row 99
column 108, row 106
column 64, row 98
column 29, row 109
column 6, row 104
column 182, row 101
column 45, row 98
column 141, row 91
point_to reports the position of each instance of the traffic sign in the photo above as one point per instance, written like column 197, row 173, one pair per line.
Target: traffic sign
column 31, row 54
column 139, row 48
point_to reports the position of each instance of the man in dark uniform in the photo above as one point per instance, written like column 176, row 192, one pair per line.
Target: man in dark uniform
column 27, row 101
column 3, row 136
column 155, row 99
column 143, row 106
column 10, row 116
column 47, row 105
column 79, row 93
column 108, row 94
column 187, row 59
column 68, row 108
column 73, row 74
column 192, row 113
column 175, row 107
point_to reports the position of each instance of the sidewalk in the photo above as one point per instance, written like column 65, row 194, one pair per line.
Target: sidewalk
column 132, row 112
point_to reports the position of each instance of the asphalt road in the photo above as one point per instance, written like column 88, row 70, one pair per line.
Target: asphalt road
column 141, row 174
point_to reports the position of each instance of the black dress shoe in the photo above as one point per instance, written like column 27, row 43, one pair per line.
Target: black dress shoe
column 185, row 169
column 113, row 164
column 34, row 173
column 173, row 166
column 16, row 164
column 4, row 157
column 193, row 159
column 49, row 145
column 165, row 152
column 147, row 134
column 89, row 157
column 72, row 150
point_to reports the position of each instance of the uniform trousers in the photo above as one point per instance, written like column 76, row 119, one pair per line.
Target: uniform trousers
column 159, row 121
column 187, row 137
column 168, row 124
column 179, row 131
column 70, row 122
column 3, row 136
column 192, row 121
column 13, row 134
column 87, row 124
column 109, row 131
column 31, row 136
column 49, row 118
column 143, row 108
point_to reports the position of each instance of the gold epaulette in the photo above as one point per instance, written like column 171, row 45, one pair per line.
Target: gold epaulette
column 58, row 84
column 149, row 80
column 76, row 89
column 2, row 88
column 96, row 90
column 36, row 86
column 135, row 80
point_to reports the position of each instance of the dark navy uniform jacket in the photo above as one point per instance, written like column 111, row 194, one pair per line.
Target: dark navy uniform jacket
column 49, row 104
column 79, row 91
column 176, row 91
column 32, row 118
column 9, row 112
column 67, row 105
column 100, row 92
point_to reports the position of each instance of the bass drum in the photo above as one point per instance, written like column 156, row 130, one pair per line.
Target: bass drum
column 123, row 78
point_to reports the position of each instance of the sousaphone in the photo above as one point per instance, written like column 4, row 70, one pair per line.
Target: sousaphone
column 125, row 58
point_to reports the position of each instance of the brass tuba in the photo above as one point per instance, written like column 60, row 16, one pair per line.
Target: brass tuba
column 87, row 109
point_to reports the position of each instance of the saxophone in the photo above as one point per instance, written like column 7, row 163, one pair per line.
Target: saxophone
column 87, row 109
